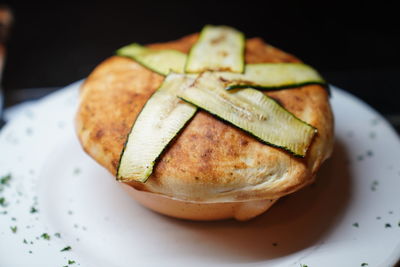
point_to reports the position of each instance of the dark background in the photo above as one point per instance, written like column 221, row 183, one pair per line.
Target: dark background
column 354, row 45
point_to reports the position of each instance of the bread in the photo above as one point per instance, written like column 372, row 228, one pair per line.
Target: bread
column 211, row 167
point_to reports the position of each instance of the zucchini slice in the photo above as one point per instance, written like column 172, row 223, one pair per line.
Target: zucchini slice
column 251, row 111
column 160, row 120
column 269, row 76
column 160, row 61
column 219, row 48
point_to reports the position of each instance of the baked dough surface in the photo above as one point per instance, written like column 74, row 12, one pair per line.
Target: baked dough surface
column 210, row 160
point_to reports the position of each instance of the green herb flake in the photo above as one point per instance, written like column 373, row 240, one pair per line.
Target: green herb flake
column 66, row 249
column 25, row 242
column 45, row 236
column 3, row 202
column 303, row 265
column 372, row 135
column 71, row 262
column 378, row 217
column 14, row 229
column 5, row 180
column 364, row 264
column 30, row 251
column 374, row 185
column 34, row 210
column 13, row 219
column 29, row 131
column 57, row 235
column 356, row 224
column 370, row 153
column 388, row 225
column 77, row 171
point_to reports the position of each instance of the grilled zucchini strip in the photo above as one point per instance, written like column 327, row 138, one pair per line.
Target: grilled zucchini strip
column 219, row 48
column 160, row 120
column 160, row 61
column 269, row 76
column 251, row 111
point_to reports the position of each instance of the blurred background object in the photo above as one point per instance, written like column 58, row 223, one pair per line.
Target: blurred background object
column 5, row 25
column 354, row 45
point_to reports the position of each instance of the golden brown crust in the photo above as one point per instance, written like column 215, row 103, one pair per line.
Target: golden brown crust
column 210, row 161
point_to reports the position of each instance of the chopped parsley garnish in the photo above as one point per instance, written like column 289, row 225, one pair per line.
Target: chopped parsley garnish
column 57, row 235
column 14, row 229
column 25, row 242
column 372, row 135
column 71, row 262
column 374, row 185
column 388, row 225
column 77, row 171
column 303, row 265
column 45, row 236
column 34, row 210
column 356, row 224
column 3, row 202
column 29, row 131
column 364, row 264
column 66, row 249
column 370, row 153
column 13, row 219
column 5, row 180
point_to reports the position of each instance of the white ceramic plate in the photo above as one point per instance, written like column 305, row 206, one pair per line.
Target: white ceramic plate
column 350, row 217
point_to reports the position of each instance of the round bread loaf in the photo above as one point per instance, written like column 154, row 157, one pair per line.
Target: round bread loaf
column 211, row 170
